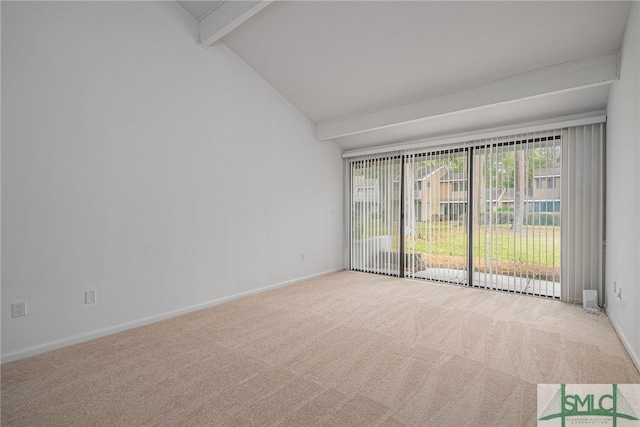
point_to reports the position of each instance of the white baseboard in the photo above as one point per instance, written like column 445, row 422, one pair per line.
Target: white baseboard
column 87, row 336
column 625, row 342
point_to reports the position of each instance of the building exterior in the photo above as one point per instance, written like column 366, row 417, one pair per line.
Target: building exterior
column 441, row 196
column 453, row 190
column 546, row 190
column 427, row 196
column 450, row 195
column 366, row 194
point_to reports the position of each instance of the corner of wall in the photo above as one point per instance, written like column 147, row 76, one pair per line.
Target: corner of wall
column 623, row 192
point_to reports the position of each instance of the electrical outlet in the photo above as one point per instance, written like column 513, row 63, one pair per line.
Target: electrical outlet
column 90, row 296
column 301, row 257
column 18, row 309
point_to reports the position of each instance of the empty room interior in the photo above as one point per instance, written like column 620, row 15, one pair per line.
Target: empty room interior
column 308, row 213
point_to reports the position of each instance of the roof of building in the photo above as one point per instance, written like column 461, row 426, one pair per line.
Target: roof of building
column 454, row 176
column 510, row 194
column 544, row 172
column 424, row 172
column 494, row 194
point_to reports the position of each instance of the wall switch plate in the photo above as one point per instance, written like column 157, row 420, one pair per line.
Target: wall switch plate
column 18, row 309
column 90, row 296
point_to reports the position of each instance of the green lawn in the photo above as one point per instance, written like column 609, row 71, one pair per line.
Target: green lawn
column 535, row 244
column 538, row 245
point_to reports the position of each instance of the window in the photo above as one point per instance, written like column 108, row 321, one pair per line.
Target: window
column 543, row 183
column 459, row 186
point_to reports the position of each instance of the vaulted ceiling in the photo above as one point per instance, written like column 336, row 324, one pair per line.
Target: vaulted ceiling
column 372, row 73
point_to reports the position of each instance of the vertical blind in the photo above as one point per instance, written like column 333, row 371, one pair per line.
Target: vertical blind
column 583, row 211
column 375, row 214
column 435, row 220
column 517, row 227
column 521, row 213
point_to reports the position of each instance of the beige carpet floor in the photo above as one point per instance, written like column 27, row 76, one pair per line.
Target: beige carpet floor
column 346, row 349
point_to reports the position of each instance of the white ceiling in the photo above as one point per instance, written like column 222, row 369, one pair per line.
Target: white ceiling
column 338, row 61
column 200, row 9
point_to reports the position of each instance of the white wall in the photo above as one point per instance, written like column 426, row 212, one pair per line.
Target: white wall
column 161, row 174
column 623, row 191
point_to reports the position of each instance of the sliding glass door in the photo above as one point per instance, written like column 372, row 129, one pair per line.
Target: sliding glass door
column 375, row 215
column 436, row 220
column 521, row 213
column 516, row 215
